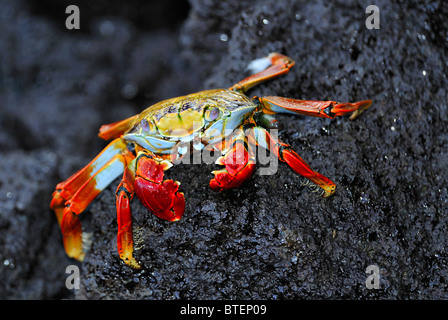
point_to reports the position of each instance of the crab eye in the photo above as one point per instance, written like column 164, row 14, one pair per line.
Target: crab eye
column 145, row 125
column 213, row 114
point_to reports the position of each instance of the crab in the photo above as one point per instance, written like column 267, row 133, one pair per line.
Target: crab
column 145, row 145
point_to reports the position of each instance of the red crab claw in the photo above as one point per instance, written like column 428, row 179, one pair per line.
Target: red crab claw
column 240, row 166
column 160, row 197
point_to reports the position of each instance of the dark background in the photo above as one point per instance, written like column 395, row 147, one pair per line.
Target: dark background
column 272, row 238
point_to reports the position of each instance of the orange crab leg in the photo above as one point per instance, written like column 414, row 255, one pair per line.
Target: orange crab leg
column 65, row 190
column 89, row 190
column 285, row 153
column 124, row 195
column 70, row 224
column 274, row 65
column 116, row 129
column 72, row 235
column 322, row 109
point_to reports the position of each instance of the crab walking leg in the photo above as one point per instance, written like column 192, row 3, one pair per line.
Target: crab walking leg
column 72, row 235
column 70, row 223
column 65, row 190
column 274, row 65
column 124, row 195
column 314, row 108
column 285, row 153
column 239, row 162
column 116, row 129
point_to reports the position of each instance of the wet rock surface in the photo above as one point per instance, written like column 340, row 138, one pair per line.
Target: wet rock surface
column 272, row 238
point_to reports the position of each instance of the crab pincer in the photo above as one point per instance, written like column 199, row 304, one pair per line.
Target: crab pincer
column 159, row 196
column 239, row 165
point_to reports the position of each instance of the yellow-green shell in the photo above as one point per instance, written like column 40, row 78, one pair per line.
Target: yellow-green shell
column 182, row 116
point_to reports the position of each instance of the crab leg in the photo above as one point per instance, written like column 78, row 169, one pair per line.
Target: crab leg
column 65, row 190
column 75, row 194
column 124, row 195
column 322, row 109
column 116, row 129
column 70, row 224
column 286, row 154
column 274, row 65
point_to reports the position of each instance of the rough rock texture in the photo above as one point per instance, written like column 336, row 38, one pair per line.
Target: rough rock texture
column 272, row 238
